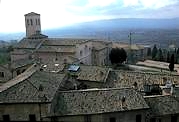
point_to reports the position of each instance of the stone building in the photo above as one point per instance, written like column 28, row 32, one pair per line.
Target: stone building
column 28, row 97
column 58, row 50
column 99, row 105
column 32, row 23
column 5, row 74
column 162, row 109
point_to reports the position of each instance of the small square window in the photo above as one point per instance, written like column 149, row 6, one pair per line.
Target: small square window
column 112, row 119
column 32, row 118
column 6, row 118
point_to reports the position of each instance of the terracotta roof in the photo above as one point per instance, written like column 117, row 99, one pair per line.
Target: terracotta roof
column 31, row 13
column 127, row 46
column 21, row 63
column 95, row 101
column 98, row 45
column 58, row 49
column 121, row 78
column 19, row 78
column 55, row 67
column 39, row 87
column 26, row 43
column 162, row 105
column 63, row 41
column 93, row 73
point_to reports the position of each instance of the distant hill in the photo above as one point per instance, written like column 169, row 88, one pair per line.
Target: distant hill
column 116, row 29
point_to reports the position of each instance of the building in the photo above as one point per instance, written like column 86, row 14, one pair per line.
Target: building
column 32, row 23
column 162, row 109
column 58, row 50
column 99, row 105
column 28, row 96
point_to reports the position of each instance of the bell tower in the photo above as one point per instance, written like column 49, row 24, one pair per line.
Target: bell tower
column 32, row 24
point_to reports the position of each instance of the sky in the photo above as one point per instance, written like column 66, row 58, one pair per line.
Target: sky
column 60, row 13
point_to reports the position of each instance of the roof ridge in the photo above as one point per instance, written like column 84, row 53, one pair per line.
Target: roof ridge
column 95, row 89
column 18, row 79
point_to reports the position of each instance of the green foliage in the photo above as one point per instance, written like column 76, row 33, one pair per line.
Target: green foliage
column 160, row 55
column 154, row 52
column 117, row 55
column 149, row 52
column 171, row 65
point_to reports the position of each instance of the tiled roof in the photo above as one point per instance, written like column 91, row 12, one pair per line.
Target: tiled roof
column 29, row 43
column 162, row 105
column 127, row 46
column 40, row 86
column 53, row 67
column 98, row 45
column 121, row 78
column 19, row 78
column 63, row 41
column 94, row 101
column 21, row 63
column 56, row 49
column 93, row 73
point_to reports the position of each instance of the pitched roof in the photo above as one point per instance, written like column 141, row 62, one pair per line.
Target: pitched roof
column 26, row 43
column 96, row 101
column 57, row 49
column 93, row 73
column 162, row 105
column 21, row 63
column 39, row 87
column 63, row 41
column 31, row 13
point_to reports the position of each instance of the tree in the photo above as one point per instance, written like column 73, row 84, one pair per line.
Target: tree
column 160, row 55
column 117, row 55
column 168, row 56
column 171, row 65
column 154, row 52
column 149, row 52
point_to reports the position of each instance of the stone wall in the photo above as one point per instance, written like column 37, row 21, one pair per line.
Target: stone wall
column 129, row 116
column 21, row 112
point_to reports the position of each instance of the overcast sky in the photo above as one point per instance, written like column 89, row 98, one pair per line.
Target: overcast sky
column 58, row 13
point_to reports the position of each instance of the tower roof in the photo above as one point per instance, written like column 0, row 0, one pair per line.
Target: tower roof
column 31, row 13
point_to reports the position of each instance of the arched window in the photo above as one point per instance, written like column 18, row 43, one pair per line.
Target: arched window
column 28, row 22
column 81, row 53
column 38, row 21
column 31, row 22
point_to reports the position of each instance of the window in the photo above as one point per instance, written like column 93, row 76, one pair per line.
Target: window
column 159, row 120
column 88, row 118
column 6, row 118
column 32, row 118
column 153, row 120
column 38, row 21
column 81, row 53
column 18, row 72
column 28, row 22
column 2, row 74
column 174, row 118
column 138, row 118
column 31, row 22
column 112, row 119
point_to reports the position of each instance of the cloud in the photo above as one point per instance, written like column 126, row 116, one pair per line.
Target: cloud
column 55, row 13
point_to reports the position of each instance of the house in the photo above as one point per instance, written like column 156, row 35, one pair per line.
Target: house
column 28, row 97
column 163, row 108
column 5, row 74
column 99, row 105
